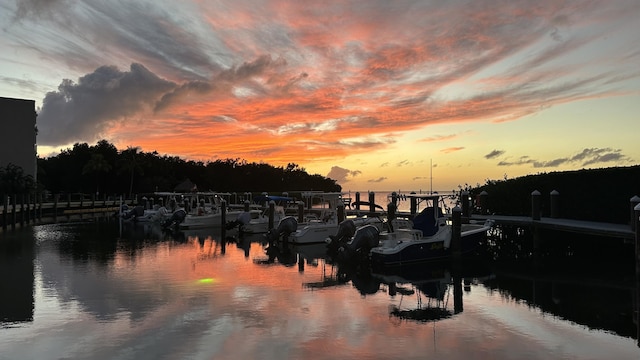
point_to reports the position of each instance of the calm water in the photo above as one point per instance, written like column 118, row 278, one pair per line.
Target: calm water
column 99, row 291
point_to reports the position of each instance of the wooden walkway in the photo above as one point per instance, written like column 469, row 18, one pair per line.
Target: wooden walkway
column 576, row 226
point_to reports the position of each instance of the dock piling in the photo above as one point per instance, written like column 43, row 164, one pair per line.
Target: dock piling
column 636, row 216
column 464, row 200
column 223, row 220
column 272, row 211
column 456, row 233
column 484, row 197
column 391, row 211
column 413, row 203
column 372, row 202
column 340, row 211
column 634, row 201
column 535, row 205
column 554, row 198
column 300, row 212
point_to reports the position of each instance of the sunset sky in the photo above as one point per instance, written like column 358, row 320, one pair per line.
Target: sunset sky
column 369, row 93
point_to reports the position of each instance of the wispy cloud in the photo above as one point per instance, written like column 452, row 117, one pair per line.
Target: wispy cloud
column 494, row 154
column 587, row 157
column 378, row 180
column 439, row 138
column 327, row 79
column 452, row 149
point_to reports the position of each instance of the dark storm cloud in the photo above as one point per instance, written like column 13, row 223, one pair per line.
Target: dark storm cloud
column 82, row 111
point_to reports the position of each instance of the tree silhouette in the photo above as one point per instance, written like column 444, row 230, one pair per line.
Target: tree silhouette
column 129, row 163
column 96, row 166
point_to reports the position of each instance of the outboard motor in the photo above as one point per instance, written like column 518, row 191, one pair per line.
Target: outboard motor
column 123, row 212
column 242, row 219
column 286, row 226
column 176, row 218
column 346, row 229
column 137, row 212
column 365, row 238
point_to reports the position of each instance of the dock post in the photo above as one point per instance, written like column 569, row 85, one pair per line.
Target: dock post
column 456, row 233
column 358, row 201
column 414, row 205
column 372, row 202
column 55, row 207
column 340, row 211
column 634, row 201
column 456, row 268
column 300, row 212
column 464, row 200
column 636, row 219
column 272, row 211
column 535, row 205
column 483, row 202
column 554, row 200
column 391, row 211
column 223, row 220
column 246, row 205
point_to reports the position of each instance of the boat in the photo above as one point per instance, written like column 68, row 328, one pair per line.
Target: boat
column 258, row 223
column 321, row 219
column 157, row 213
column 428, row 240
column 204, row 209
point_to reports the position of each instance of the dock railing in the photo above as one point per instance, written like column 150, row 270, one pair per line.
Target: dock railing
column 37, row 208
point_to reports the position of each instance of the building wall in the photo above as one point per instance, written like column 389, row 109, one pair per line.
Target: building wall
column 18, row 139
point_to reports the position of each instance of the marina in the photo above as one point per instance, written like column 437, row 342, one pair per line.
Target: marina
column 95, row 289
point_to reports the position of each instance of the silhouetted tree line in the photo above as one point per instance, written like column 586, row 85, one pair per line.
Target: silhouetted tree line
column 13, row 180
column 104, row 169
column 589, row 194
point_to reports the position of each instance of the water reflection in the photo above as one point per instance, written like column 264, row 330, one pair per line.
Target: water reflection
column 103, row 291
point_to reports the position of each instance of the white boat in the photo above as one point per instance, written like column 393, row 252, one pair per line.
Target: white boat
column 428, row 240
column 321, row 218
column 213, row 218
column 258, row 223
column 204, row 209
column 158, row 213
column 319, row 232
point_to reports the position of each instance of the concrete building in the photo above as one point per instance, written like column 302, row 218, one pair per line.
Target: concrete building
column 18, row 129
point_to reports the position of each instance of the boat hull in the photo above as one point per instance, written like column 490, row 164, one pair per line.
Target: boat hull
column 415, row 251
column 208, row 220
column 314, row 233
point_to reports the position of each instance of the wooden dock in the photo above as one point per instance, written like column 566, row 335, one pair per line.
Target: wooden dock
column 576, row 226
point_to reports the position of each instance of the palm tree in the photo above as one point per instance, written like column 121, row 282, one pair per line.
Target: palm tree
column 130, row 163
column 96, row 165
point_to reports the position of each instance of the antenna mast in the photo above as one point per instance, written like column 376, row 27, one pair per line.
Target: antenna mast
column 431, row 175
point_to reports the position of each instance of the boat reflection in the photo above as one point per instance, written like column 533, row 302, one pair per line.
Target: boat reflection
column 431, row 284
